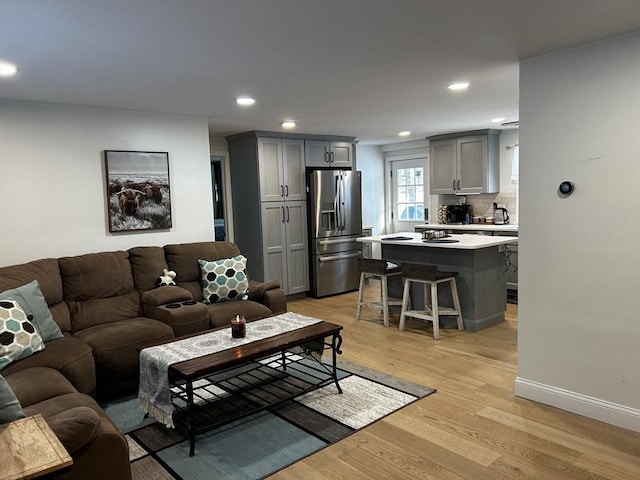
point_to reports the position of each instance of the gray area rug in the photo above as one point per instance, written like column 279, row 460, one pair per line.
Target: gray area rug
column 262, row 443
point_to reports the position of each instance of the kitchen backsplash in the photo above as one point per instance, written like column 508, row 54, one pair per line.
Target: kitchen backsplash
column 482, row 204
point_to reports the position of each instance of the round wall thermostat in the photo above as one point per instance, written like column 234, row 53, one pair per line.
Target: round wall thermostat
column 565, row 188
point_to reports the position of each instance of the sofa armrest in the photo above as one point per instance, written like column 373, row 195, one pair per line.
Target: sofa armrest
column 163, row 295
column 257, row 289
column 276, row 300
column 184, row 317
column 75, row 427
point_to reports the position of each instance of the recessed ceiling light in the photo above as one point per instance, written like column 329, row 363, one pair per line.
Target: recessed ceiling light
column 288, row 124
column 458, row 86
column 404, row 134
column 7, row 69
column 245, row 101
column 498, row 120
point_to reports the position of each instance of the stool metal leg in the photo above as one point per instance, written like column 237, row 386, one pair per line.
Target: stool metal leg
column 385, row 299
column 360, row 294
column 405, row 303
column 456, row 303
column 435, row 310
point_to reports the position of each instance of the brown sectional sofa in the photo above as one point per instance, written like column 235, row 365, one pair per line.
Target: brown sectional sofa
column 107, row 306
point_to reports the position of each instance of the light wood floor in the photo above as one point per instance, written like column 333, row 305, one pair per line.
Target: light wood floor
column 473, row 427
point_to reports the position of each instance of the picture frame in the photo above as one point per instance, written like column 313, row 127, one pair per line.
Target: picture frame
column 138, row 190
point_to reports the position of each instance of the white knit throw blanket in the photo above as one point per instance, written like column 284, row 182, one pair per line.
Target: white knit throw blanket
column 154, row 392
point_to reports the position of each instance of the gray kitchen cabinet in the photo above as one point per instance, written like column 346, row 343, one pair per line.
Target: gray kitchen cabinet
column 281, row 167
column 268, row 191
column 320, row 153
column 465, row 163
column 285, row 245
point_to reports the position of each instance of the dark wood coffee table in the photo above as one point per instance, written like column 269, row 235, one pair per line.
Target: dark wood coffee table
column 218, row 388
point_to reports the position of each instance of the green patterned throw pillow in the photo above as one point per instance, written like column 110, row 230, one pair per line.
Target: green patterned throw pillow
column 224, row 280
column 18, row 336
column 32, row 301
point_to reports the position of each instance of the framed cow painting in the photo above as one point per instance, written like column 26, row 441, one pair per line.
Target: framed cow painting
column 138, row 191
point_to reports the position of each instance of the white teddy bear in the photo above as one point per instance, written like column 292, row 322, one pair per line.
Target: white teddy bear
column 167, row 278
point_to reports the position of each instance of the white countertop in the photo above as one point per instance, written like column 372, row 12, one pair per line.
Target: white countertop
column 465, row 242
column 479, row 227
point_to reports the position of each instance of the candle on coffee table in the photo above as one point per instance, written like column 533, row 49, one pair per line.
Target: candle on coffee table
column 238, row 327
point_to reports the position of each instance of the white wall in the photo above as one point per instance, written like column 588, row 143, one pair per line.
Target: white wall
column 52, row 178
column 370, row 161
column 579, row 265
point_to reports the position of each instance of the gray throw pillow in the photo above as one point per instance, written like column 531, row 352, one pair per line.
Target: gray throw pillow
column 10, row 408
column 32, row 301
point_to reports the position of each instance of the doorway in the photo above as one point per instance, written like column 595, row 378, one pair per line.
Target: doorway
column 408, row 194
column 220, row 217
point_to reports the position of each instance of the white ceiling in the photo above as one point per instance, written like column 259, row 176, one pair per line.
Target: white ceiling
column 367, row 68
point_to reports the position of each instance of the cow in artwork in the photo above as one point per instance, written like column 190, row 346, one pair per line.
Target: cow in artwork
column 153, row 192
column 129, row 201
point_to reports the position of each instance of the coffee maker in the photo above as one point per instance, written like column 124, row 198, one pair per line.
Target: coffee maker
column 458, row 214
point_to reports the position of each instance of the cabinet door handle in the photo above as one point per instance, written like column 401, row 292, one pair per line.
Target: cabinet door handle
column 458, row 184
column 331, row 157
column 453, row 184
column 286, row 190
column 288, row 215
column 281, row 191
column 282, row 214
column 326, row 157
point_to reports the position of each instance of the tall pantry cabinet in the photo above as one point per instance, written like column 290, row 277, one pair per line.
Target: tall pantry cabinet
column 269, row 207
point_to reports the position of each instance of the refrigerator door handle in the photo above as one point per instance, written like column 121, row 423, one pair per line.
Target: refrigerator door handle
column 332, row 258
column 334, row 242
column 343, row 215
column 336, row 202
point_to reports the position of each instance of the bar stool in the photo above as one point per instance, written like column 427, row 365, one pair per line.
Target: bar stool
column 382, row 269
column 431, row 278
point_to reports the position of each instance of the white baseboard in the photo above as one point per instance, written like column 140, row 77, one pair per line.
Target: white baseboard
column 608, row 412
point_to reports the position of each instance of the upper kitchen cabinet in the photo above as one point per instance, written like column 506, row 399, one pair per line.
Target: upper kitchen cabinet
column 465, row 163
column 281, row 169
column 334, row 154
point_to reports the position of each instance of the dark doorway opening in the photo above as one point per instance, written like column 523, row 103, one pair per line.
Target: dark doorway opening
column 217, row 186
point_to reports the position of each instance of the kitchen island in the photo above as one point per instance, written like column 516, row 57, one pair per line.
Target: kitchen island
column 478, row 259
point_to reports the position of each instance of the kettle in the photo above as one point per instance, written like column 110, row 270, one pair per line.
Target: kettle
column 500, row 214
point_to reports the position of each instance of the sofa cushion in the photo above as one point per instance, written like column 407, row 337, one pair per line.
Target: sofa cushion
column 224, row 279
column 69, row 356
column 47, row 272
column 220, row 314
column 75, row 427
column 19, row 338
column 114, row 347
column 10, row 408
column 183, row 258
column 31, row 299
column 37, row 384
column 98, row 287
column 147, row 263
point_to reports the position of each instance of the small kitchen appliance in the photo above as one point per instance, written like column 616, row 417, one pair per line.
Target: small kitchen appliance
column 500, row 214
column 458, row 214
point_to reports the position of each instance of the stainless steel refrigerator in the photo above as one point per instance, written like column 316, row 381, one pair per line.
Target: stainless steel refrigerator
column 335, row 221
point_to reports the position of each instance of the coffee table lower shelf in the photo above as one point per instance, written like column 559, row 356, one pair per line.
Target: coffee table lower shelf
column 212, row 400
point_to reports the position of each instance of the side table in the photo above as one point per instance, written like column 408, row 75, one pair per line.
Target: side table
column 30, row 449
